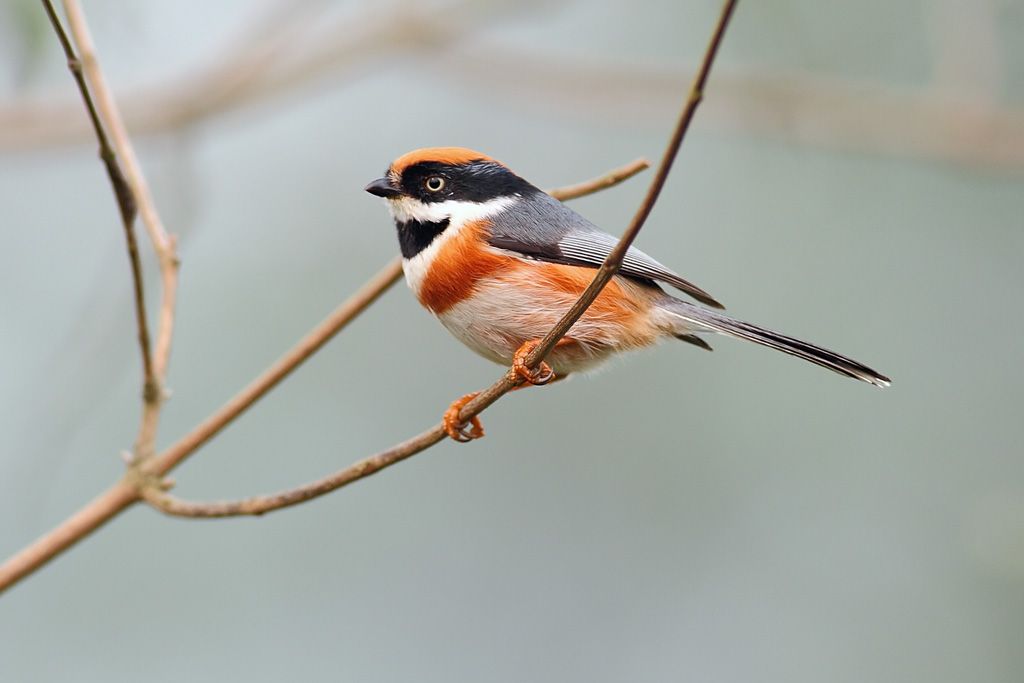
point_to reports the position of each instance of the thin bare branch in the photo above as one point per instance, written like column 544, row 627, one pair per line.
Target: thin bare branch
column 163, row 244
column 957, row 119
column 602, row 183
column 306, row 347
column 72, row 530
column 122, row 193
column 159, row 499
column 119, row 135
column 156, row 494
column 261, row 64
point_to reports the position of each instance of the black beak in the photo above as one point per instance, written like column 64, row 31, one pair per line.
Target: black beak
column 382, row 187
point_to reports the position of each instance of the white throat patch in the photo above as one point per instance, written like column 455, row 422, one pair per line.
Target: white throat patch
column 406, row 209
column 458, row 213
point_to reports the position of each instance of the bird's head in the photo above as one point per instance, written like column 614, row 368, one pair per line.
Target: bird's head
column 447, row 183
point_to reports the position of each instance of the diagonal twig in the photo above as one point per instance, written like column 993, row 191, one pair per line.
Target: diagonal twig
column 611, row 264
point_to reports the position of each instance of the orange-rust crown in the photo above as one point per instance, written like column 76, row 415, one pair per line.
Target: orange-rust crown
column 442, row 155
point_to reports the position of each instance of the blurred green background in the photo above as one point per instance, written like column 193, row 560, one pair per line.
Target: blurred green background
column 854, row 178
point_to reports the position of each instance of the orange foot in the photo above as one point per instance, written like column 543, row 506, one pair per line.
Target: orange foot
column 541, row 375
column 458, row 430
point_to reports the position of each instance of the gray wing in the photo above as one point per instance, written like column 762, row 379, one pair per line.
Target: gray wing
column 572, row 240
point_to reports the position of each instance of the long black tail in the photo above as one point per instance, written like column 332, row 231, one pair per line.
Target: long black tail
column 697, row 318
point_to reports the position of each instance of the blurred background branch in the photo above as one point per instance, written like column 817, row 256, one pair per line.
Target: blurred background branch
column 958, row 117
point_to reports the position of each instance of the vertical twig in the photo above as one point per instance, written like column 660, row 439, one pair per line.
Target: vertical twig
column 307, row 346
column 163, row 244
column 612, row 264
column 122, row 192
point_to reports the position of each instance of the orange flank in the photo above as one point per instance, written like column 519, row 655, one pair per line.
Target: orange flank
column 614, row 303
column 453, row 156
column 618, row 318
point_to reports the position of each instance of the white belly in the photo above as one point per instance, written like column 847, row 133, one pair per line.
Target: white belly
column 498, row 319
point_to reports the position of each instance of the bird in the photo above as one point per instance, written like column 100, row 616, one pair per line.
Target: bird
column 498, row 261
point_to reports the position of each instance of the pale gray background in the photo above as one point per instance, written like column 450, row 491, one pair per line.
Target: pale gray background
column 735, row 516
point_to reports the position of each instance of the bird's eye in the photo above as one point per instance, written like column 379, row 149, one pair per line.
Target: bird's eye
column 435, row 183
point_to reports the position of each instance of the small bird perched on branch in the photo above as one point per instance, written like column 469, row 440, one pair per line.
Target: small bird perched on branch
column 499, row 261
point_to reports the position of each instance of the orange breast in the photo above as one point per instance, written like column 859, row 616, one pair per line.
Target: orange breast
column 459, row 266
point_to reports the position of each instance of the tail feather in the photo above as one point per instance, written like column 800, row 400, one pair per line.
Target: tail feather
column 718, row 322
column 695, row 340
